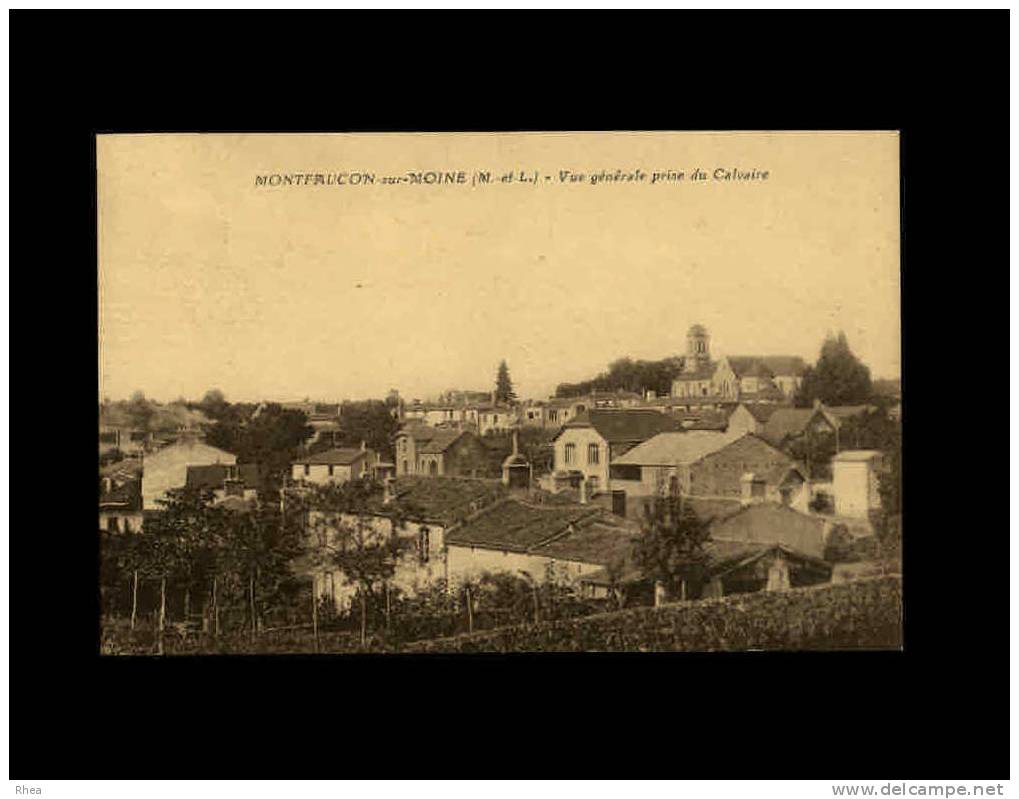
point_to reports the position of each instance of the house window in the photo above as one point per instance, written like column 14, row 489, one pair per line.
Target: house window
column 113, row 524
column 331, row 468
column 405, row 467
column 569, row 453
column 423, row 545
column 307, row 470
column 592, row 453
column 127, row 525
column 433, row 468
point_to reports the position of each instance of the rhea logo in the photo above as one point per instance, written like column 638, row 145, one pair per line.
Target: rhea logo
column 24, row 789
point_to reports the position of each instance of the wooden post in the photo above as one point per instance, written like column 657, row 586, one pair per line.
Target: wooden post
column 251, row 595
column 364, row 621
column 215, row 606
column 314, row 613
column 470, row 612
column 162, row 614
column 134, row 598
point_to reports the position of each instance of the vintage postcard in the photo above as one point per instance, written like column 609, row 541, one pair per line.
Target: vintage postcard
column 499, row 392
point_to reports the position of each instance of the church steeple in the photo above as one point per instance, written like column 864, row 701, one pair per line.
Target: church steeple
column 697, row 350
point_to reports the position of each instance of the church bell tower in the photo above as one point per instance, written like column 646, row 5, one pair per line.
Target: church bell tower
column 697, row 352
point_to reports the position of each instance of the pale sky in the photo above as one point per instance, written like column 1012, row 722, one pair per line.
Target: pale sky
column 337, row 292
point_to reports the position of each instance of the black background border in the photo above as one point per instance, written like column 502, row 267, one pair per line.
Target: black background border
column 937, row 710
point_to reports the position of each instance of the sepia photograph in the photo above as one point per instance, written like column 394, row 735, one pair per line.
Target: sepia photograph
column 440, row 393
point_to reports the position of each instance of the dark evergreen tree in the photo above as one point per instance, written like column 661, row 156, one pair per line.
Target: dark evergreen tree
column 503, row 385
column 838, row 378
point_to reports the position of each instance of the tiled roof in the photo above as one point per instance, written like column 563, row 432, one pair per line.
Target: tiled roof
column 619, row 426
column 563, row 531
column 772, row 523
column 753, row 446
column 601, row 539
column 785, row 422
column 440, row 500
column 667, row 449
column 785, row 365
column 212, row 476
column 709, row 509
column 726, row 556
column 341, row 456
column 749, row 366
column 762, row 412
column 206, row 478
column 440, row 441
column 518, row 526
column 704, row 371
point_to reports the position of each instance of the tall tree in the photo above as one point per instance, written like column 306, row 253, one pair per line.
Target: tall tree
column 370, row 422
column 140, row 411
column 838, row 378
column 214, row 405
column 503, row 385
column 671, row 548
column 628, row 375
column 271, row 439
column 343, row 539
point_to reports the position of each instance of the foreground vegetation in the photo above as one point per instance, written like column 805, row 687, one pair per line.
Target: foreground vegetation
column 861, row 614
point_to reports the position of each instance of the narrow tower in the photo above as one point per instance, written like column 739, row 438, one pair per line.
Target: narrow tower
column 697, row 352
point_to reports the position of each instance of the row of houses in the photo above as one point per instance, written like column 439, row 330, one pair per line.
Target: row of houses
column 458, row 529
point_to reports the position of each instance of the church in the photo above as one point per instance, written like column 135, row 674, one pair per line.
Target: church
column 764, row 378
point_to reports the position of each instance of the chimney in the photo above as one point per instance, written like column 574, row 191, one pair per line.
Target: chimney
column 364, row 446
column 650, row 395
column 583, row 491
column 516, row 448
column 107, row 485
column 387, row 491
column 493, row 397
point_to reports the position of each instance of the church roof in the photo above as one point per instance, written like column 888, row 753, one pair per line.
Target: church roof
column 704, row 371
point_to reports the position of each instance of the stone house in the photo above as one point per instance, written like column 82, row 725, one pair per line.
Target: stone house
column 167, row 468
column 435, row 414
column 586, row 446
column 560, row 410
column 439, row 452
column 492, row 418
column 560, row 542
column 336, row 465
column 708, row 464
column 420, row 511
